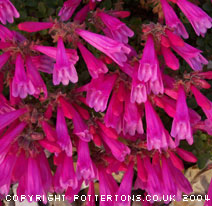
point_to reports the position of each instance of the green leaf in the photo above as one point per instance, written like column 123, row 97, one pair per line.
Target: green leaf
column 203, row 160
column 41, row 7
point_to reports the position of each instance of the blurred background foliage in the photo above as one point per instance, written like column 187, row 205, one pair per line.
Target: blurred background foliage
column 142, row 11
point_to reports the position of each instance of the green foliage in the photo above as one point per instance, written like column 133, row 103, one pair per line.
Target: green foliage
column 202, row 148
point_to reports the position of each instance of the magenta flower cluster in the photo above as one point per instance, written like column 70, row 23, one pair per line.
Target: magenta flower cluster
column 110, row 124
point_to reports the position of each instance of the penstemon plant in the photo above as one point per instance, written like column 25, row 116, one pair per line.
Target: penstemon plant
column 59, row 131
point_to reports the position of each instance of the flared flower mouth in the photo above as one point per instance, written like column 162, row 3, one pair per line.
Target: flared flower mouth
column 8, row 12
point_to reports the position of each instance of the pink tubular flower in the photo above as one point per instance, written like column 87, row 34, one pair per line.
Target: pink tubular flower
column 35, row 77
column 68, row 9
column 126, row 187
column 169, row 106
column 114, row 113
column 82, row 111
column 163, row 180
column 13, row 100
column 91, row 194
column 95, row 66
column 20, row 165
column 9, row 137
column 49, row 131
column 120, row 14
column 21, row 84
column 64, row 71
column 202, row 83
column 43, row 63
column 115, row 50
column 157, row 136
column 6, row 34
column 113, row 165
column 206, row 75
column 45, row 171
column 191, row 55
column 50, row 141
column 98, row 91
column 111, row 133
column 37, row 178
column 85, row 167
column 92, row 4
column 6, row 168
column 132, row 120
column 4, row 58
column 67, row 108
column 9, row 117
column 65, row 175
column 169, row 184
column 183, row 185
column 62, row 133
column 148, row 65
column 4, row 105
column 70, row 192
column 170, row 59
column 138, row 88
column 205, row 126
column 34, row 26
column 174, row 181
column 181, row 127
column 186, row 155
column 122, row 115
column 208, row 113
column 107, row 186
column 153, row 184
column 199, row 20
column 156, row 86
column 82, row 14
column 194, row 117
column 18, row 37
column 118, row 149
column 141, row 171
column 81, row 128
column 115, row 29
column 52, row 53
column 138, row 92
column 7, row 12
column 173, row 38
column 52, row 147
column 95, row 0
column 177, row 162
column 208, row 202
column 203, row 102
column 172, row 20
column 1, row 82
column 166, row 103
